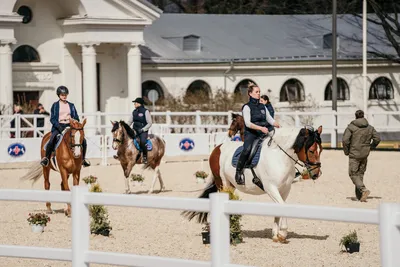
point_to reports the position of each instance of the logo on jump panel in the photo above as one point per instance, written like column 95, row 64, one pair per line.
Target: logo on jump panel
column 186, row 144
column 236, row 138
column 16, row 150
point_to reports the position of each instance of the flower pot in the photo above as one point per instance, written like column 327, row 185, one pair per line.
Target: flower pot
column 37, row 228
column 352, row 247
column 236, row 238
column 200, row 180
column 206, row 237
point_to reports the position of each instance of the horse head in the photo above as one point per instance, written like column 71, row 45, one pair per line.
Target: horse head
column 77, row 136
column 119, row 130
column 236, row 125
column 308, row 149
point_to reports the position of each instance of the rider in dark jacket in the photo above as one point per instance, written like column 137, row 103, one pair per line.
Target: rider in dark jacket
column 265, row 100
column 61, row 111
column 141, row 120
column 256, row 117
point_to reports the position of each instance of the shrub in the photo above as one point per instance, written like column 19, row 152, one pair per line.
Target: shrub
column 90, row 179
column 349, row 238
column 38, row 219
column 137, row 177
column 201, row 174
column 99, row 225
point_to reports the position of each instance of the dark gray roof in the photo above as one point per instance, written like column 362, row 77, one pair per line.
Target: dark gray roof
column 257, row 38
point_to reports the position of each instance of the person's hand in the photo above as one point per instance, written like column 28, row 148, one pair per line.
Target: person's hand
column 276, row 124
column 264, row 130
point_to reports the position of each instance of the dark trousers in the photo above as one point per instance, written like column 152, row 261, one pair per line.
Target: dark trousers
column 52, row 142
column 142, row 142
column 249, row 138
column 357, row 168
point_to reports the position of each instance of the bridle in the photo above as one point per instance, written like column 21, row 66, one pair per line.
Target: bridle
column 310, row 166
column 72, row 137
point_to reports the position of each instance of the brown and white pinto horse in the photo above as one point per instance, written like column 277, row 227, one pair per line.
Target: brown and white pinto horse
column 237, row 125
column 127, row 153
column 68, row 160
column 275, row 169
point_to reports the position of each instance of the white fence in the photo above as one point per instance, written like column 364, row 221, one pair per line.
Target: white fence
column 204, row 122
column 219, row 206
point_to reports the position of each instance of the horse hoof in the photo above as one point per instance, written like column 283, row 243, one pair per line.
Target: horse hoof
column 282, row 239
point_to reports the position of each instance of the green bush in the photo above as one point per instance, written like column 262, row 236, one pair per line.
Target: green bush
column 99, row 225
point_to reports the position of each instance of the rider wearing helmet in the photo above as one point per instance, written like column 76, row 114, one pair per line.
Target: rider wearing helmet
column 141, row 120
column 256, row 117
column 61, row 111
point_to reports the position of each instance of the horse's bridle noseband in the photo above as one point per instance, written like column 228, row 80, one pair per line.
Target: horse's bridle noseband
column 70, row 135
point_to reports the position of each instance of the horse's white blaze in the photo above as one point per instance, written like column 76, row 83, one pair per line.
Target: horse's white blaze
column 77, row 149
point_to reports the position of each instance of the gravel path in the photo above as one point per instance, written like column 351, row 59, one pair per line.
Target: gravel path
column 167, row 234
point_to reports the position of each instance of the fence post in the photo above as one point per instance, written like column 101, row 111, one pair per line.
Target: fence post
column 80, row 226
column 104, row 150
column 198, row 121
column 219, row 230
column 389, row 229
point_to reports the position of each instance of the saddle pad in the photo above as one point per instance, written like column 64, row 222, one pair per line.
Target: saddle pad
column 149, row 145
column 58, row 142
column 254, row 161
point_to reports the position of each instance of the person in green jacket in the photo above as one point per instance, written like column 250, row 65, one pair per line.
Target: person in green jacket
column 357, row 145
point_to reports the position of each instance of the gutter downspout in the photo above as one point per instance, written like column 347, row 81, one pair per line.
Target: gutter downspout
column 226, row 72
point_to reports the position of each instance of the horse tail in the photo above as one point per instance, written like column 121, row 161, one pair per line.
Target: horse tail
column 211, row 187
column 34, row 173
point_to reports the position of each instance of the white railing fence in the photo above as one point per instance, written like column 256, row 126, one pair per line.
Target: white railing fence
column 387, row 216
column 202, row 122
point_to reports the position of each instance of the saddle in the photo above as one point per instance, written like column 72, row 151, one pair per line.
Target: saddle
column 149, row 145
column 254, row 156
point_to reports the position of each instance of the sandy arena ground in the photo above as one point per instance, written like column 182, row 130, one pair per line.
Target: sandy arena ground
column 167, row 234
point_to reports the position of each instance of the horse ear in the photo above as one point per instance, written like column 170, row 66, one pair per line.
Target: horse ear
column 83, row 122
column 306, row 132
column 234, row 116
column 113, row 122
column 319, row 130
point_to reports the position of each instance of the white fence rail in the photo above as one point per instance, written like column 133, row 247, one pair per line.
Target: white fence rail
column 219, row 206
column 202, row 122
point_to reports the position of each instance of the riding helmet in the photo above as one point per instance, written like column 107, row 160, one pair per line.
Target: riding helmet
column 62, row 90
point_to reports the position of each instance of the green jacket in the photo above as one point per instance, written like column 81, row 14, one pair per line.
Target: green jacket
column 357, row 139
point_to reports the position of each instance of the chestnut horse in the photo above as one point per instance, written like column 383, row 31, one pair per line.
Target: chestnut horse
column 67, row 160
column 276, row 168
column 237, row 125
column 128, row 154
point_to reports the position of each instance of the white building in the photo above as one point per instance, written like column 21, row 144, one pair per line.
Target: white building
column 104, row 51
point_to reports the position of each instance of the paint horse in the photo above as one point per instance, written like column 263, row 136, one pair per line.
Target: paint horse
column 237, row 125
column 67, row 159
column 128, row 152
column 273, row 163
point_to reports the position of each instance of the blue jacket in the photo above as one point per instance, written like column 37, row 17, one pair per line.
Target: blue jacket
column 270, row 110
column 55, row 109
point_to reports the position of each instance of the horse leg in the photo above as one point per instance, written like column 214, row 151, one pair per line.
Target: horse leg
column 162, row 186
column 283, row 220
column 127, row 170
column 65, row 187
column 76, row 175
column 46, row 174
column 274, row 193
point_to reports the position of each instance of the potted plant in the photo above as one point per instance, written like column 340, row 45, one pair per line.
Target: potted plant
column 100, row 224
column 205, row 234
column 38, row 221
column 90, row 180
column 350, row 242
column 137, row 179
column 234, row 219
column 201, row 176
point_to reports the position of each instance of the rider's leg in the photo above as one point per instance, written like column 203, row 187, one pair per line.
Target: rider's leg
column 248, row 141
column 85, row 162
column 143, row 139
column 49, row 149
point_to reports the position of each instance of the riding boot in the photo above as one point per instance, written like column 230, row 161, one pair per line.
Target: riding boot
column 239, row 177
column 49, row 149
column 85, row 162
column 144, row 155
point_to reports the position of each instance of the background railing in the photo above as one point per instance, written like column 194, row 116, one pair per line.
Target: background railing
column 206, row 122
column 387, row 216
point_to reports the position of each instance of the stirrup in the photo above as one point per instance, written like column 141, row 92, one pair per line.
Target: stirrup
column 145, row 160
column 85, row 163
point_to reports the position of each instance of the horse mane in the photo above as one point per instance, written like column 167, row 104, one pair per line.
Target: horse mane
column 301, row 140
column 131, row 133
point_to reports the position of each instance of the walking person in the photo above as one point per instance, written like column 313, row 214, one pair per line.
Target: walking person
column 357, row 145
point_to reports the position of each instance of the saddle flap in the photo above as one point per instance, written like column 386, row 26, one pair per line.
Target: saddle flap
column 149, row 145
column 58, row 142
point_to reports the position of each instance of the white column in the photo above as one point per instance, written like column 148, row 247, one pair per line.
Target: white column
column 365, row 90
column 134, row 71
column 89, row 84
column 6, row 85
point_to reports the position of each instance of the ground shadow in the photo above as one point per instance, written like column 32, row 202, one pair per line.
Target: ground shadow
column 155, row 192
column 355, row 199
column 55, row 211
column 267, row 233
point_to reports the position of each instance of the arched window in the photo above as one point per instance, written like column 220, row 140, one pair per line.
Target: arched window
column 241, row 91
column 152, row 85
column 198, row 92
column 343, row 92
column 292, row 91
column 25, row 53
column 381, row 89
